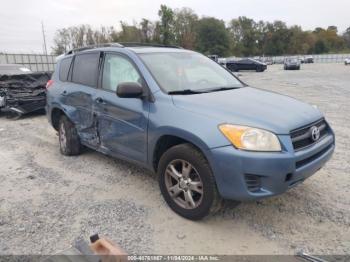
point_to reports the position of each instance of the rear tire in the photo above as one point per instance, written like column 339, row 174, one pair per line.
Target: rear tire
column 187, row 183
column 68, row 137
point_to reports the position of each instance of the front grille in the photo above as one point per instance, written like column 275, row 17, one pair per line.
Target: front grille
column 302, row 138
column 253, row 183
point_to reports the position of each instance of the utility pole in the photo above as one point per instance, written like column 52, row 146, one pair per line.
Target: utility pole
column 44, row 37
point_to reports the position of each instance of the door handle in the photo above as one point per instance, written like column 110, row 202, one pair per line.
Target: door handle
column 100, row 101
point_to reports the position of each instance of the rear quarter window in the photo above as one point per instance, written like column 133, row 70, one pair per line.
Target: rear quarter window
column 64, row 69
column 85, row 69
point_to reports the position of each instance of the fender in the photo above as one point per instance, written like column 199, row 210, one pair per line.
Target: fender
column 155, row 135
column 67, row 110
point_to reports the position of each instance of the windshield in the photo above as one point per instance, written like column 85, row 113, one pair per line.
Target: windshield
column 180, row 71
column 293, row 60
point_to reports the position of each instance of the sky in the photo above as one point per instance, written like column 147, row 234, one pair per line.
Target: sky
column 20, row 20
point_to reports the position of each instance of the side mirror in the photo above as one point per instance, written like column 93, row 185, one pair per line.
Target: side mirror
column 129, row 90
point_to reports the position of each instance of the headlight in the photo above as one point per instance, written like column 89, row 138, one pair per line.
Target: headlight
column 250, row 138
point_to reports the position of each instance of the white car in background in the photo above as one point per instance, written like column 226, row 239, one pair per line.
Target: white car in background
column 347, row 61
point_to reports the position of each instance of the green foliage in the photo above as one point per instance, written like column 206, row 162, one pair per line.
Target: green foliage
column 212, row 37
column 78, row 36
column 346, row 37
column 245, row 35
column 185, row 22
column 129, row 33
column 242, row 37
column 320, row 47
column 166, row 25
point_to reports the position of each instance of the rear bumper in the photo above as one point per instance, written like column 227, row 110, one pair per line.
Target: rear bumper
column 242, row 175
column 291, row 67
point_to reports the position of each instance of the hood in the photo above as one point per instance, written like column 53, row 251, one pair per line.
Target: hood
column 251, row 107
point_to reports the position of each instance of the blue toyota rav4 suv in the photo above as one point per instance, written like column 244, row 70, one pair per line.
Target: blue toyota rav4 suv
column 206, row 134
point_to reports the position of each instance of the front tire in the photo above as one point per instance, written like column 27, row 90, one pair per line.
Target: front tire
column 187, row 183
column 68, row 137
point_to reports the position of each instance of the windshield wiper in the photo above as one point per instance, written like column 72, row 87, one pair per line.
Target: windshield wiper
column 221, row 88
column 186, row 92
column 201, row 91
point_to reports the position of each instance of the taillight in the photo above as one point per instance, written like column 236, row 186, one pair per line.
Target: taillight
column 49, row 83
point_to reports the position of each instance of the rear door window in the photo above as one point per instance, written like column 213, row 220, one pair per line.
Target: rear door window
column 85, row 69
column 64, row 68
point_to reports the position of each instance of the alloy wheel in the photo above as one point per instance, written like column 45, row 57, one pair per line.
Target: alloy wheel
column 184, row 184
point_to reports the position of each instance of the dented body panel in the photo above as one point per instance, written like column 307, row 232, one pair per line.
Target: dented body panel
column 122, row 125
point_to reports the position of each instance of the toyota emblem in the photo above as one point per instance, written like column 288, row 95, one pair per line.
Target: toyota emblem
column 315, row 133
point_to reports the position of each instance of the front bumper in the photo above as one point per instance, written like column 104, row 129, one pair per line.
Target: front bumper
column 274, row 172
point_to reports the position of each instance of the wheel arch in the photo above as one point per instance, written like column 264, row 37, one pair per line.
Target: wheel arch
column 166, row 140
column 55, row 115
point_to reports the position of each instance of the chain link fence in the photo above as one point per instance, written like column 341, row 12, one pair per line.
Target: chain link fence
column 326, row 58
column 46, row 63
column 35, row 62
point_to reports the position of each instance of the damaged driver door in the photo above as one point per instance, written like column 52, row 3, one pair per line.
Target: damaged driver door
column 121, row 122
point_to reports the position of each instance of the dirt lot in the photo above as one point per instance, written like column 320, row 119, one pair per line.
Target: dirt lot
column 48, row 201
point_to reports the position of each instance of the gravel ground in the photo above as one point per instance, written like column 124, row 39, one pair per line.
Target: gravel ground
column 49, row 201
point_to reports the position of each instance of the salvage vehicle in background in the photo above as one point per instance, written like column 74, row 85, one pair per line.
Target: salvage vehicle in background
column 21, row 91
column 246, row 64
column 291, row 64
column 347, row 61
column 176, row 112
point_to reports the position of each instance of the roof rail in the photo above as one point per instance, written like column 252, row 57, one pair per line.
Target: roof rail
column 135, row 44
column 76, row 50
column 122, row 44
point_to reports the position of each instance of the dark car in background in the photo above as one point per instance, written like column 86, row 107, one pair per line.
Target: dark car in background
column 21, row 90
column 291, row 64
column 246, row 64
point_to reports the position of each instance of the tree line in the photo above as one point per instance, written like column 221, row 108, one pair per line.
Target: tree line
column 241, row 36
